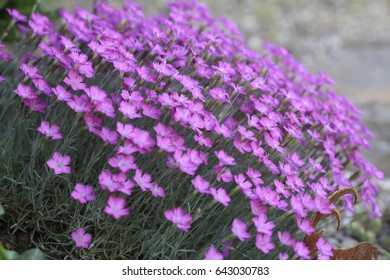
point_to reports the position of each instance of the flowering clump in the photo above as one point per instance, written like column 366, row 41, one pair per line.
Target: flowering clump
column 177, row 111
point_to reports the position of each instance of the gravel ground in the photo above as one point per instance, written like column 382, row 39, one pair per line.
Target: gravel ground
column 348, row 39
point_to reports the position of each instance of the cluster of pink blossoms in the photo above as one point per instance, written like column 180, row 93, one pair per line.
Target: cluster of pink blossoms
column 225, row 118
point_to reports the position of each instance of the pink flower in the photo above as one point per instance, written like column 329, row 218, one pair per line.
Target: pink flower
column 241, row 181
column 213, row 254
column 301, row 251
column 50, row 131
column 81, row 238
column 83, row 193
column 36, row 104
column 59, row 163
column 224, row 158
column 96, row 94
column 157, row 191
column 80, row 104
column 30, row 71
column 16, row 15
column 201, row 185
column 144, row 181
column 283, row 256
column 239, row 229
column 62, row 94
column 325, row 249
column 305, row 226
column 43, row 86
column 264, row 243
column 74, row 80
column 109, row 136
column 179, row 218
column 220, row 196
column 262, row 225
column 116, row 207
column 285, row 238
column 25, row 92
column 123, row 162
column 258, row 208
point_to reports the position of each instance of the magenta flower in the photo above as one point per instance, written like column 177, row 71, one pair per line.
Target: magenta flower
column 25, row 92
column 30, row 71
column 123, row 162
column 116, row 207
column 239, row 229
column 224, row 158
column 262, row 225
column 264, row 243
column 74, row 80
column 16, row 15
column 213, row 254
column 144, row 181
column 283, row 256
column 52, row 131
column 286, row 239
column 220, row 196
column 83, row 193
column 301, row 251
column 59, row 163
column 201, row 185
column 179, row 218
column 109, row 136
column 305, row 226
column 62, row 94
column 325, row 249
column 81, row 238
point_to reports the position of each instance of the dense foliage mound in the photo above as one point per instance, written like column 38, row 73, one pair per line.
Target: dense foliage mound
column 168, row 137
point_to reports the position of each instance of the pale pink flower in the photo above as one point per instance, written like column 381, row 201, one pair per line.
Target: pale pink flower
column 179, row 218
column 52, row 131
column 81, row 238
column 239, row 229
column 116, row 207
column 213, row 254
column 220, row 196
column 83, row 193
column 59, row 163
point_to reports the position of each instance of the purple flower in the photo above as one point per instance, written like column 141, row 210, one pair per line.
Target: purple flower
column 144, row 181
column 301, row 251
column 325, row 249
column 285, row 238
column 239, row 229
column 51, row 131
column 283, row 256
column 61, row 93
column 25, row 92
column 264, row 243
column 74, row 80
column 16, row 15
column 262, row 225
column 179, row 218
column 123, row 162
column 59, row 163
column 213, row 254
column 83, row 193
column 224, row 158
column 220, row 196
column 201, row 185
column 116, row 207
column 81, row 238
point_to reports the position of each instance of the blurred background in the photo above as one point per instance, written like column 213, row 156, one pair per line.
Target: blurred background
column 347, row 39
